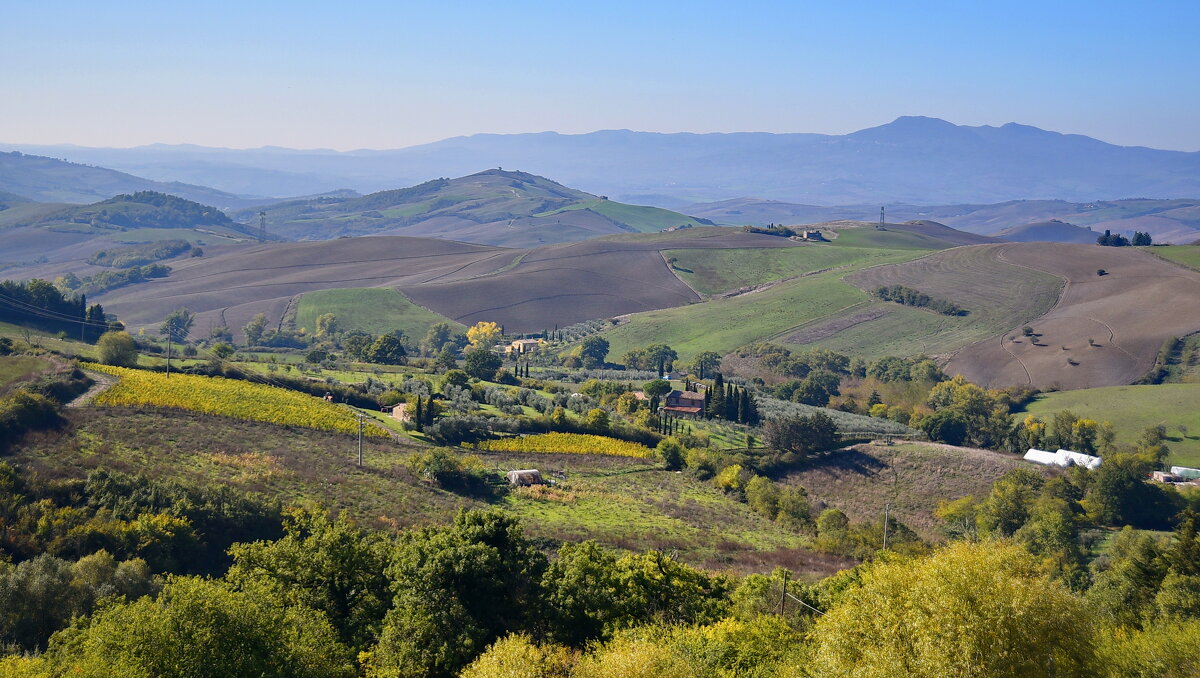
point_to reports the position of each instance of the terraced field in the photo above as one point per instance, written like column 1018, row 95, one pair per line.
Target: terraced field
column 1105, row 330
column 377, row 310
column 1132, row 409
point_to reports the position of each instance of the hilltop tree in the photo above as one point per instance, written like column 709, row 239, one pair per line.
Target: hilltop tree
column 661, row 357
column 656, row 388
column 389, row 349
column 483, row 334
column 593, row 351
column 973, row 609
column 178, row 325
column 438, row 336
column 706, row 363
column 326, row 325
column 457, row 590
column 800, row 435
column 481, row 363
column 254, row 329
column 200, row 627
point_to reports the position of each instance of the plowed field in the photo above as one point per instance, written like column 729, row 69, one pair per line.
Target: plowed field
column 1126, row 314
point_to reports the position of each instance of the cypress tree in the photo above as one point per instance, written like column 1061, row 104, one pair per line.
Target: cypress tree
column 417, row 416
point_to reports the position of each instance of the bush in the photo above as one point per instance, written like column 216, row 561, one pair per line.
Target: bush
column 118, row 349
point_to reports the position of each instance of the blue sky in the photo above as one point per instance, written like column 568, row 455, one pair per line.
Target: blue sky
column 392, row 74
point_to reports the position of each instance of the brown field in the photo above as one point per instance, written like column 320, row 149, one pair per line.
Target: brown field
column 912, row 477
column 565, row 284
column 525, row 290
column 1126, row 313
column 230, row 289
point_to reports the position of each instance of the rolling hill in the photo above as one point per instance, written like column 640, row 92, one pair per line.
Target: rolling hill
column 912, row 159
column 50, row 180
column 493, row 207
column 1104, row 330
column 1049, row 231
column 1168, row 221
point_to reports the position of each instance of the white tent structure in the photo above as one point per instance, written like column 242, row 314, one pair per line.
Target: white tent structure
column 1077, row 459
column 1062, row 458
column 1041, row 457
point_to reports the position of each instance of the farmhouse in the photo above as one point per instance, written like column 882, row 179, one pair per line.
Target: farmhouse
column 400, row 412
column 684, row 402
column 523, row 346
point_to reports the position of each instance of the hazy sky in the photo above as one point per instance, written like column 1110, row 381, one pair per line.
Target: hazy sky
column 390, row 74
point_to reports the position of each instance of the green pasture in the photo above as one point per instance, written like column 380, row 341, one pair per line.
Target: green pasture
column 372, row 309
column 1185, row 255
column 714, row 271
column 1133, row 409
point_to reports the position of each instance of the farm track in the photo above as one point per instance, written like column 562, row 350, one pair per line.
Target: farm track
column 103, row 383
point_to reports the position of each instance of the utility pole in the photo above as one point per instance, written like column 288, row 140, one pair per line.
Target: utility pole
column 783, row 593
column 360, row 436
column 168, row 354
column 886, row 508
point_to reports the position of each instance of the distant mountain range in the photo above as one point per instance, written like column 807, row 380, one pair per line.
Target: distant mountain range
column 493, row 207
column 913, row 160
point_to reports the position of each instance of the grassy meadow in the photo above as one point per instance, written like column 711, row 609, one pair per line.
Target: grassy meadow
column 372, row 309
column 1132, row 409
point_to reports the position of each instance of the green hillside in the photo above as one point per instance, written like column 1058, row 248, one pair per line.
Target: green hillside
column 1132, row 409
column 827, row 302
column 638, row 217
column 495, row 207
column 621, row 502
column 373, row 310
column 145, row 209
column 715, row 271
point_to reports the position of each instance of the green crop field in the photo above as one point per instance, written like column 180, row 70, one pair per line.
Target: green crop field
column 646, row 219
column 714, row 271
column 1132, row 409
column 1187, row 255
column 892, row 240
column 724, row 324
column 375, row 310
